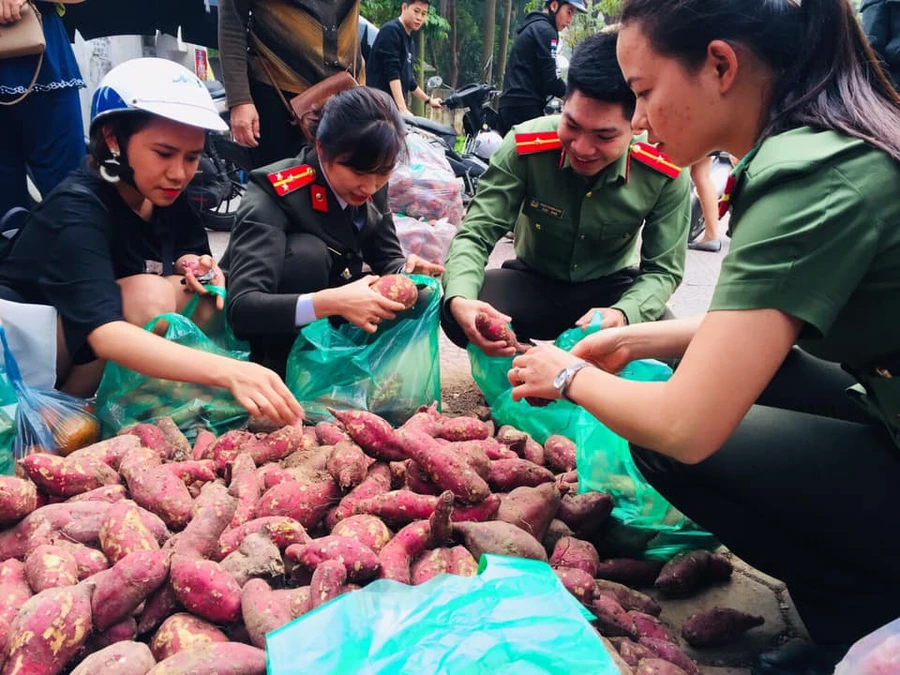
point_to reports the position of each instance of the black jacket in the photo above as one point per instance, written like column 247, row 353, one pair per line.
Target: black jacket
column 881, row 22
column 391, row 58
column 531, row 76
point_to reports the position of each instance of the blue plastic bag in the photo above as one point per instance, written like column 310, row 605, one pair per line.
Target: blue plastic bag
column 646, row 524
column 515, row 617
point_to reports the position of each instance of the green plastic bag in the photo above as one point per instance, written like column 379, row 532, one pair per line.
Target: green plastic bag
column 126, row 397
column 645, row 523
column 390, row 372
column 7, row 422
column 514, row 618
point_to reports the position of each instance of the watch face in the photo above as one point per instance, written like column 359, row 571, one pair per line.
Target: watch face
column 561, row 378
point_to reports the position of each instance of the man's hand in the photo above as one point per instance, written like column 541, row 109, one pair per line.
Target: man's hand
column 612, row 318
column 10, row 10
column 244, row 124
column 357, row 303
column 464, row 311
column 435, row 103
column 416, row 265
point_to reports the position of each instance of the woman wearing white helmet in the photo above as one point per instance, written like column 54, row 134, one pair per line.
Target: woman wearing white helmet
column 117, row 242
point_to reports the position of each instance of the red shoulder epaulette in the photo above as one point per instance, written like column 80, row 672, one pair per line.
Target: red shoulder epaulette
column 537, row 141
column 647, row 154
column 288, row 180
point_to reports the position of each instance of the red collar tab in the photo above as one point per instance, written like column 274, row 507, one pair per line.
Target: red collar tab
column 649, row 155
column 539, row 141
column 288, row 180
column 725, row 200
column 319, row 198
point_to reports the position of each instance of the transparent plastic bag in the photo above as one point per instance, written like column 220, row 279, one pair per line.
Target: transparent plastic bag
column 425, row 186
column 876, row 654
column 645, row 522
column 427, row 239
column 47, row 420
column 514, row 618
column 390, row 372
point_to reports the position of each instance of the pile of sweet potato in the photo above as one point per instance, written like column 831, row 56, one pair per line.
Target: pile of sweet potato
column 146, row 554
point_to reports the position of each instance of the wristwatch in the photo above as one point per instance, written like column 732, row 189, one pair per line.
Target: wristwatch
column 564, row 378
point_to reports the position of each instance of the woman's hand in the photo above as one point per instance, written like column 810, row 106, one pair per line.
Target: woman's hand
column 533, row 372
column 416, row 265
column 612, row 318
column 357, row 303
column 606, row 349
column 244, row 123
column 263, row 393
column 196, row 268
column 10, row 11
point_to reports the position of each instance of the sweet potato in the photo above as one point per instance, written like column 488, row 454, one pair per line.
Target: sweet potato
column 512, row 438
column 216, row 658
column 18, row 498
column 370, row 432
column 360, row 561
column 492, row 328
column 447, row 470
column 183, row 631
column 193, row 470
column 508, row 474
column 123, row 532
column 49, row 630
column 397, row 555
column 500, row 538
column 377, row 481
column 204, row 439
column 257, row 556
column 110, row 451
column 671, row 653
column 347, row 464
column 398, row 288
column 151, row 437
column 718, row 627
column 121, row 658
column 555, row 531
column 123, row 631
column 271, row 475
column 307, row 504
column 477, row 513
column 245, row 486
column 79, row 522
column 531, row 508
column 629, row 598
column 429, row 565
column 657, row 667
column 631, row 652
column 275, row 446
column 612, row 619
column 161, row 492
column 368, row 530
column 67, row 477
column 264, row 610
column 398, row 506
column 329, row 433
column 585, row 513
column 648, row 625
column 205, row 589
column 281, row 530
column 159, row 606
column 533, row 451
column 629, row 571
column 121, row 589
column 475, row 456
column 691, row 571
column 418, row 481
column 181, row 447
column 14, row 592
column 212, row 513
column 108, row 493
column 560, row 453
column 458, row 429
column 578, row 582
column 495, row 449
column 226, row 447
column 327, row 583
column 50, row 567
column 462, row 563
column 572, row 552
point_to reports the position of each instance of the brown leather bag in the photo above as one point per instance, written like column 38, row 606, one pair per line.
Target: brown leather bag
column 24, row 37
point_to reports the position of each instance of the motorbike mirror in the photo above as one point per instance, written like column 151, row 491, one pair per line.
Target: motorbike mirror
column 434, row 82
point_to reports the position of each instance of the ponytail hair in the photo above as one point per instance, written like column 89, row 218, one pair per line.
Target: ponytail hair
column 826, row 74
column 360, row 128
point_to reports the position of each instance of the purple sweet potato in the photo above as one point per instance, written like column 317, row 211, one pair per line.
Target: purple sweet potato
column 447, row 469
column 555, row 531
column 281, row 443
column 183, row 631
column 347, row 464
column 124, row 631
column 377, row 481
column 629, row 571
column 477, row 513
column 181, row 447
column 691, row 571
column 257, row 556
column 327, row 583
column 671, row 653
column 205, row 589
column 629, row 598
column 159, row 606
column 271, row 475
column 193, row 470
column 361, row 561
column 577, row 553
column 494, row 329
column 578, row 582
column 494, row 449
column 212, row 513
column 500, row 538
column 329, row 433
column 411, row 541
column 50, row 567
column 612, row 619
column 657, row 667
column 281, row 530
column 88, row 561
column 18, row 498
column 429, row 565
column 718, row 627
column 216, row 658
column 475, row 456
column 370, row 432
column 560, row 453
column 458, row 429
column 462, row 563
column 631, row 652
column 14, row 592
column 398, row 506
column 648, row 625
column 531, row 508
column 121, row 589
column 512, row 438
column 368, row 530
column 79, row 522
column 508, row 474
column 226, row 447
column 585, row 513
column 123, row 532
column 307, row 504
column 152, row 438
column 245, row 486
column 205, row 438
column 65, row 477
column 160, row 491
column 108, row 493
column 418, row 481
column 121, row 658
column 534, row 451
column 110, row 452
column 398, row 288
column 263, row 610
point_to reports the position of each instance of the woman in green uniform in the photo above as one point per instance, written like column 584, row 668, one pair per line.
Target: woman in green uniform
column 754, row 436
column 307, row 226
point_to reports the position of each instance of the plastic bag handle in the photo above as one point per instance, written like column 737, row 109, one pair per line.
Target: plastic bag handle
column 12, row 367
column 191, row 306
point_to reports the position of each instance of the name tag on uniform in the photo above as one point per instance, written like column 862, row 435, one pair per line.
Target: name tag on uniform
column 153, row 267
column 546, row 209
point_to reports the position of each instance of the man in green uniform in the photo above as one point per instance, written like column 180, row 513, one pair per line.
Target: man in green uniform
column 580, row 193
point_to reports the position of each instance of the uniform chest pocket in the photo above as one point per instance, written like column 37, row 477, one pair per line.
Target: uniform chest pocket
column 545, row 216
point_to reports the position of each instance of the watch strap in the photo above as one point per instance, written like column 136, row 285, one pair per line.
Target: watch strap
column 570, row 375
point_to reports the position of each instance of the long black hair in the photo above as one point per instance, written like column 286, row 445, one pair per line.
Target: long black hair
column 360, row 128
column 826, row 74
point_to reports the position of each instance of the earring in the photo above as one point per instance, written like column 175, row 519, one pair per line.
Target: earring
column 109, row 170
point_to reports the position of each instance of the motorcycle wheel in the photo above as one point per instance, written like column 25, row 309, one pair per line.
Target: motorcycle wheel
column 698, row 222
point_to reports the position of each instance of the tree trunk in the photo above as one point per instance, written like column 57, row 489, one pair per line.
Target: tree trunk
column 487, row 52
column 454, row 51
column 504, row 40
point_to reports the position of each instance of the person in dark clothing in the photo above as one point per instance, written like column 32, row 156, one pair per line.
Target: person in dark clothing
column 390, row 63
column 531, row 76
column 881, row 22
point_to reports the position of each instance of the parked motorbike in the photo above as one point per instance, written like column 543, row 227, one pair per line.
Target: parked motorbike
column 720, row 170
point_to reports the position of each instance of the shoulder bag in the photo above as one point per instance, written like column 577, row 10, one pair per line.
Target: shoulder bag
column 24, row 37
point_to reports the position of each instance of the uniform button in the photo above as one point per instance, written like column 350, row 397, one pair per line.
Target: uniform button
column 582, row 237
column 575, row 266
column 537, row 226
column 589, row 194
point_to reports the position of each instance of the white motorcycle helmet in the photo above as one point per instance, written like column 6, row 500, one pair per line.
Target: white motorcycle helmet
column 159, row 87
column 486, row 144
